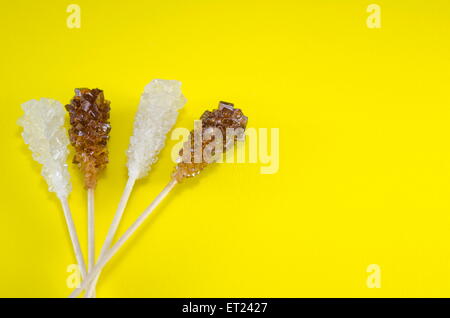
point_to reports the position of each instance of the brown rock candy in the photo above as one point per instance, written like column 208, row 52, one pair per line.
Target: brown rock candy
column 226, row 116
column 89, row 132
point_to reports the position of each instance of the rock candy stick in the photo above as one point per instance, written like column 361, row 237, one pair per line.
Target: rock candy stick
column 89, row 135
column 223, row 119
column 156, row 115
column 43, row 131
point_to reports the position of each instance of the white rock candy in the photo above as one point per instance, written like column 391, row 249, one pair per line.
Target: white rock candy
column 157, row 113
column 44, row 132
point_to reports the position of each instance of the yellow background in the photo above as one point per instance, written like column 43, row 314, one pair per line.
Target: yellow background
column 364, row 172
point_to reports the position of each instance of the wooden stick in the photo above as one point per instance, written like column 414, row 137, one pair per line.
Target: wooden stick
column 73, row 236
column 113, row 228
column 91, row 232
column 91, row 229
column 102, row 261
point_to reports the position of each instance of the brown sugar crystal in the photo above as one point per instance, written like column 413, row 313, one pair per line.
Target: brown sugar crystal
column 223, row 118
column 89, row 132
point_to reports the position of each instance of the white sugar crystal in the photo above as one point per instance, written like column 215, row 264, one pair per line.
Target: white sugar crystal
column 157, row 113
column 44, row 132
